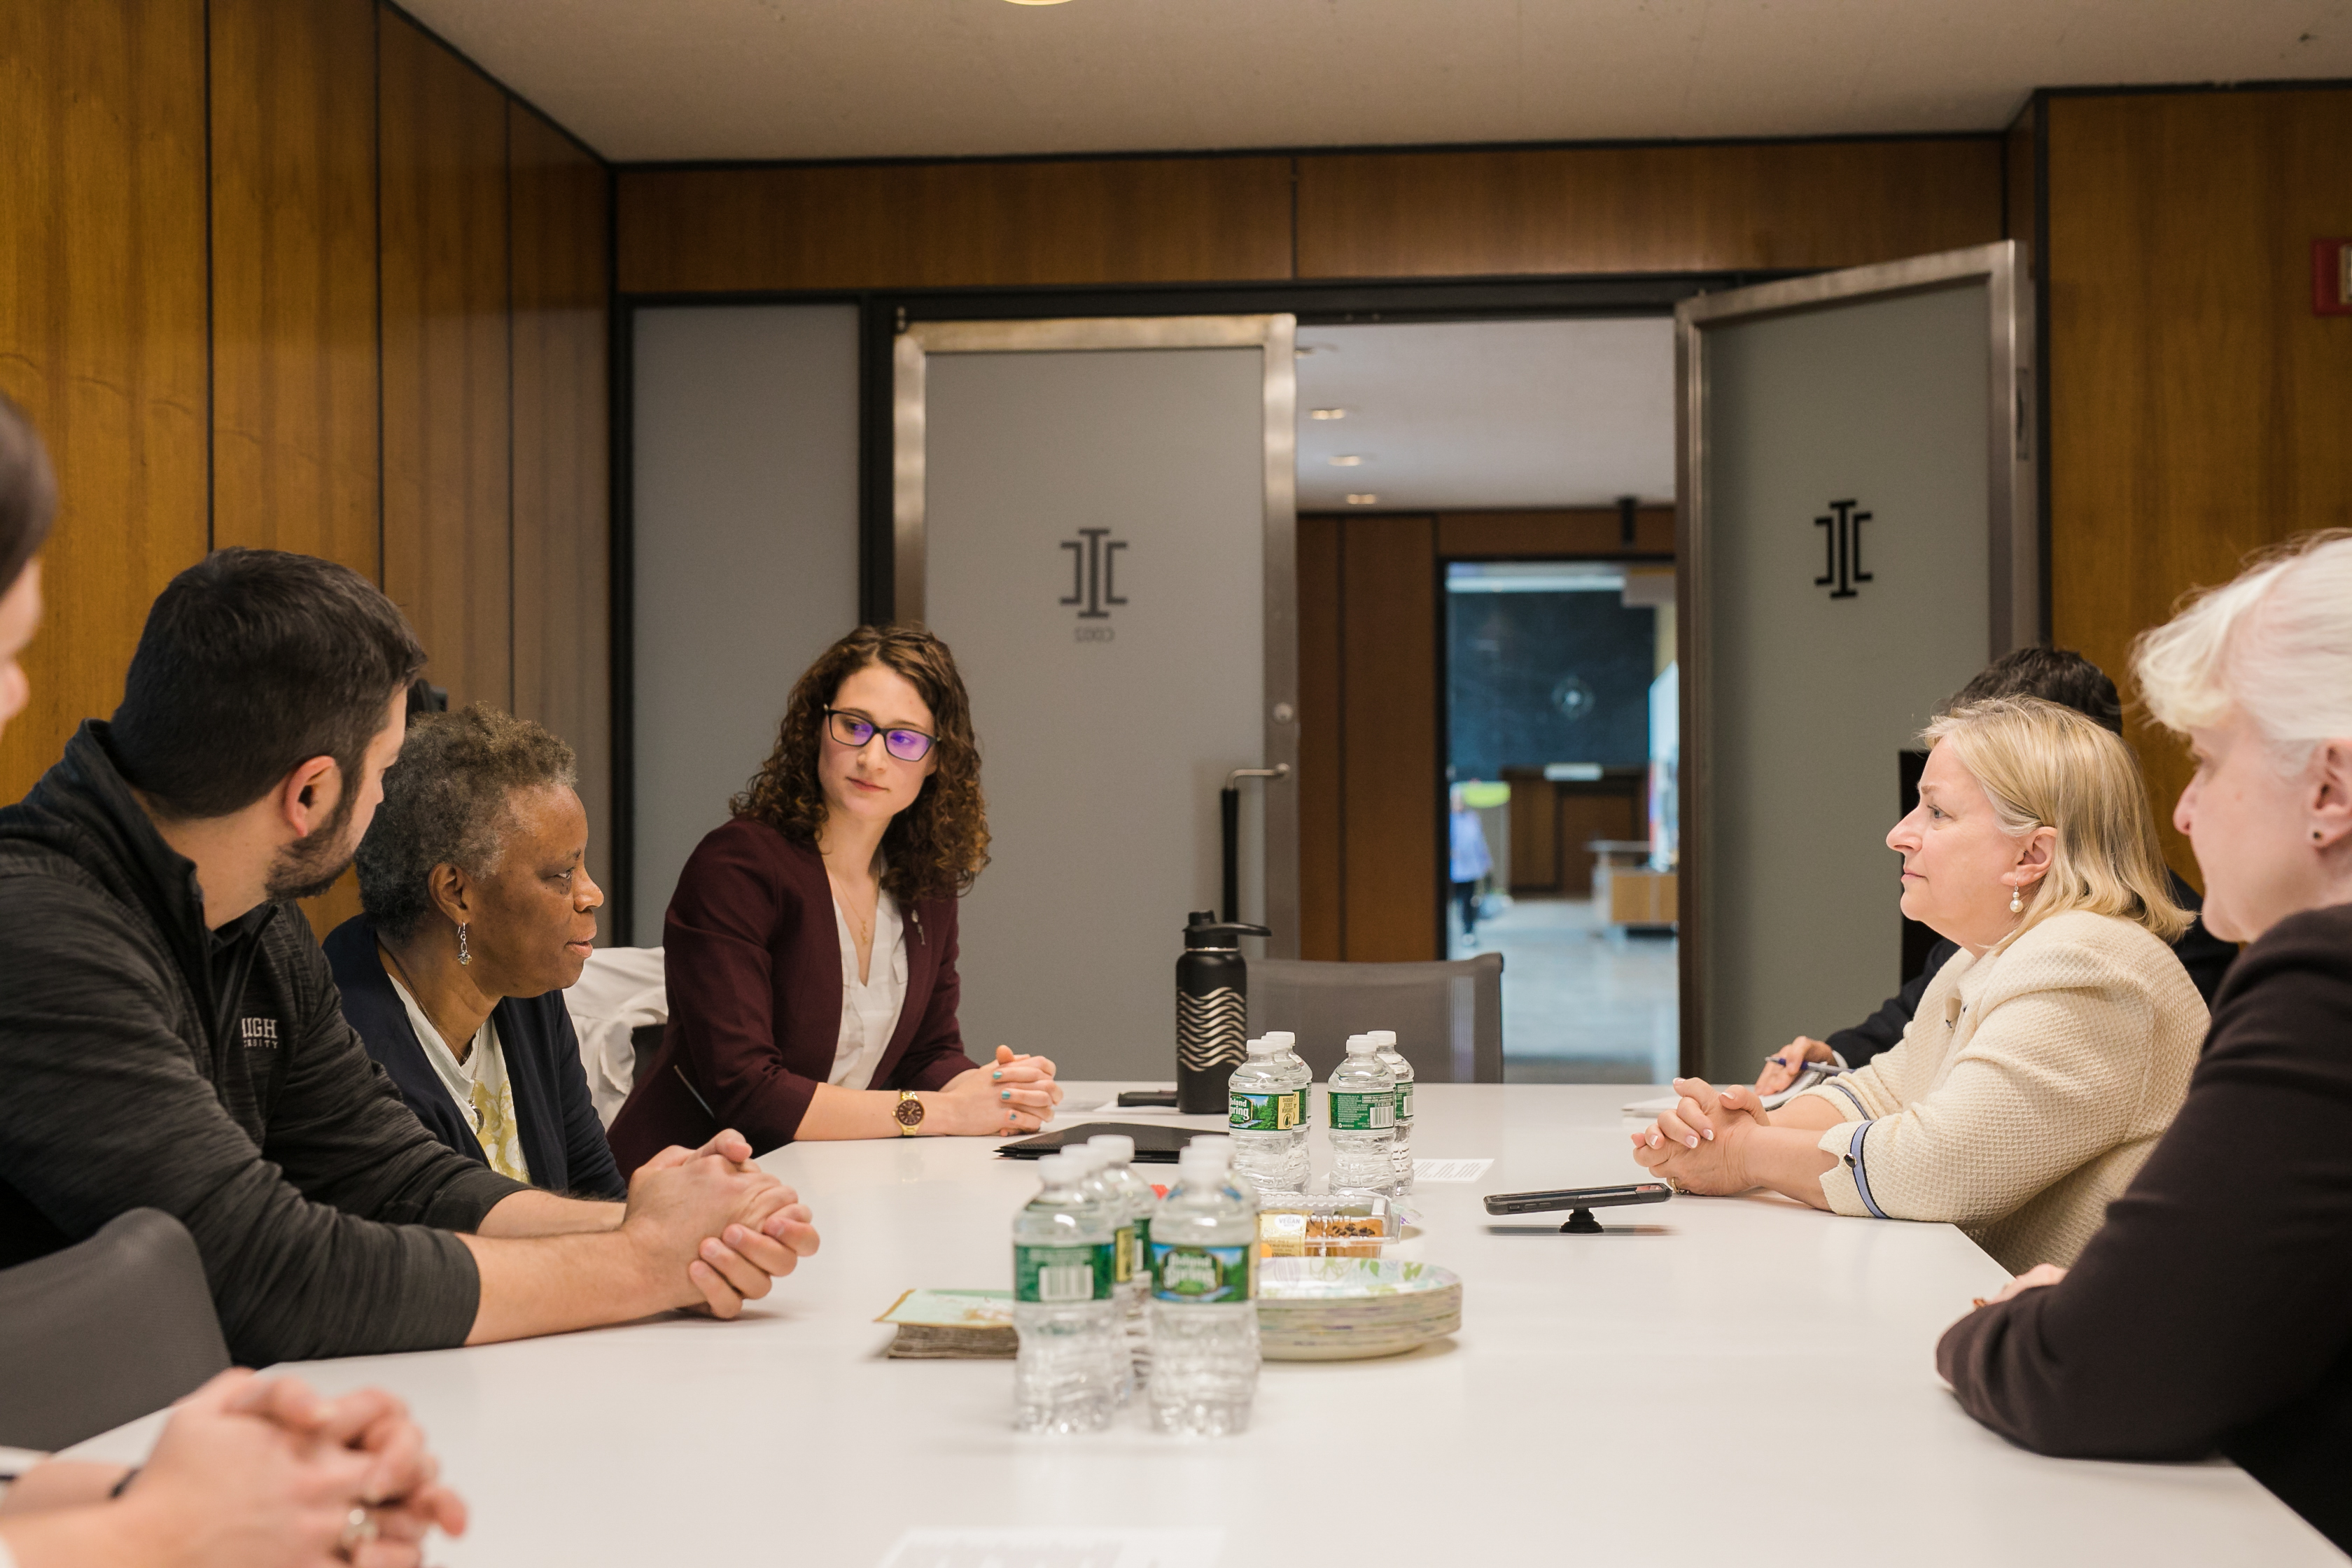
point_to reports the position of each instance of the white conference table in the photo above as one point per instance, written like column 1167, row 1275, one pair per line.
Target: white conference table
column 1743, row 1377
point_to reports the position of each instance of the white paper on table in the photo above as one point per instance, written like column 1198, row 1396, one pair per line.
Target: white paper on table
column 1051, row 1548
column 1449, row 1170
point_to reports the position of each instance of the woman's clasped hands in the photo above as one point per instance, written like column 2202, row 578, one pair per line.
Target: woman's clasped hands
column 1012, row 1094
column 1701, row 1145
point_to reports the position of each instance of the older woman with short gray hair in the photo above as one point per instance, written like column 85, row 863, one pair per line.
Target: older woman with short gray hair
column 2207, row 1315
column 479, row 913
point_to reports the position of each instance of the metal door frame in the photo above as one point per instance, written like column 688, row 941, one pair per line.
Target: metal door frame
column 1275, row 335
column 2013, row 495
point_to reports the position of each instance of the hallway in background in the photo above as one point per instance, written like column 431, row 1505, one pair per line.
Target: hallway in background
column 1583, row 1002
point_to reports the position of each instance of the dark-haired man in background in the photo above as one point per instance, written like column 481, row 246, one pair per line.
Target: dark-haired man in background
column 172, row 1038
column 2055, row 675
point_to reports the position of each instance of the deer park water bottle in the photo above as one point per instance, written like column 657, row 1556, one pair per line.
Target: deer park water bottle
column 1204, row 1350
column 1264, row 1118
column 1363, row 1095
column 1300, row 1079
column 1064, row 1377
column 1400, row 1148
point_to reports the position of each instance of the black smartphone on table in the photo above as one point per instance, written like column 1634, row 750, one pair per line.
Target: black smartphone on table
column 1578, row 1198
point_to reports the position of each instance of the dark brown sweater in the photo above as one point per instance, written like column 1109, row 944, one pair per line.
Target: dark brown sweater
column 754, row 959
column 2213, row 1311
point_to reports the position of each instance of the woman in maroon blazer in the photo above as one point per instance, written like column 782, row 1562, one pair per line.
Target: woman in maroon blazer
column 810, row 944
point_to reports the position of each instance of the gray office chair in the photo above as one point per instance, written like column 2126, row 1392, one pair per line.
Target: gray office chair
column 104, row 1331
column 1448, row 1018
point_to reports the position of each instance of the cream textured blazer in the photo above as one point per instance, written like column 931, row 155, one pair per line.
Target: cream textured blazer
column 2030, row 1085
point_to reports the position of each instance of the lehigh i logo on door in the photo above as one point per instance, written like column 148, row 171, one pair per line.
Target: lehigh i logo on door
column 1093, row 580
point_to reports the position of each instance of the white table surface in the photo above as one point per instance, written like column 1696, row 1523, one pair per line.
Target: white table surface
column 1740, row 1375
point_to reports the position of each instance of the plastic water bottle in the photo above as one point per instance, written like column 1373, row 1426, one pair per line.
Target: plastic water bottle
column 1264, row 1117
column 1363, row 1122
column 1063, row 1306
column 1131, row 1229
column 1205, row 1353
column 1400, row 1149
column 1300, row 1172
column 1096, row 1184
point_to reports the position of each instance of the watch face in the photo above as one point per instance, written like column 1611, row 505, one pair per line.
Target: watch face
column 909, row 1112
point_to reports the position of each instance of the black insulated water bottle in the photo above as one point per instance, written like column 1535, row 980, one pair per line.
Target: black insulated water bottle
column 1212, row 1010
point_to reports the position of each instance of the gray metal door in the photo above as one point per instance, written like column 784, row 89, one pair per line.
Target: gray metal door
column 1857, row 539
column 1097, row 516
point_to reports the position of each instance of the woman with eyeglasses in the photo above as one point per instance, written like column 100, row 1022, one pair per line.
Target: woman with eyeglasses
column 810, row 944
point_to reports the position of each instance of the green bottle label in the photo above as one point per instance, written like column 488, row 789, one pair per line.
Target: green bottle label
column 1141, row 1266
column 1264, row 1113
column 1371, row 1112
column 1123, row 1254
column 1060, row 1275
column 1404, row 1103
column 1203, row 1274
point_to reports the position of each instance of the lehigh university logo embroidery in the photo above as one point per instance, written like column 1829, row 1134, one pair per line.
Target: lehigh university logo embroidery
column 258, row 1032
column 1841, row 550
column 1094, row 582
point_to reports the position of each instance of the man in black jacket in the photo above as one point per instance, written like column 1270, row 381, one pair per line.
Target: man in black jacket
column 171, row 1037
column 2054, row 675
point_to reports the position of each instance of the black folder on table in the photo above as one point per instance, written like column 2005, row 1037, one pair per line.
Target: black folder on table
column 1154, row 1144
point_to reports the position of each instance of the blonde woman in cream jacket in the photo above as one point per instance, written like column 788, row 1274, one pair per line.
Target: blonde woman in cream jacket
column 2046, row 1057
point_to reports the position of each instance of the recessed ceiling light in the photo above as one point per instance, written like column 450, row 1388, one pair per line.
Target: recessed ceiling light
column 1037, row 2
column 1347, row 460
column 1363, row 501
column 1327, row 414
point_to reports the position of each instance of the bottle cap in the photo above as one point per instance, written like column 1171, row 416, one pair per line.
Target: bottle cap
column 1199, row 1165
column 1083, row 1160
column 1116, row 1147
column 1384, row 1038
column 1054, row 1170
column 1258, row 1048
column 1281, row 1040
column 1209, row 1146
column 1360, row 1044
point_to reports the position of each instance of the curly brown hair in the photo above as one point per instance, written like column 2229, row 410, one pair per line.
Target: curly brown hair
column 936, row 847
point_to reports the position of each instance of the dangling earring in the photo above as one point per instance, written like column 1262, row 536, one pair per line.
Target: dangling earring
column 464, row 957
column 2016, row 906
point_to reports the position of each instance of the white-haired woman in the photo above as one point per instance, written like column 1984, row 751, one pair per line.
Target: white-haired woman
column 2047, row 1056
column 2211, row 1312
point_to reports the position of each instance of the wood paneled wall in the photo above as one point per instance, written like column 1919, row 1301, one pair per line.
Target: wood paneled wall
column 1681, row 208
column 2196, row 404
column 358, row 312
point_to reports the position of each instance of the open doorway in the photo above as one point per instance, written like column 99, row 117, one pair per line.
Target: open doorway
column 1487, row 614
column 1560, row 832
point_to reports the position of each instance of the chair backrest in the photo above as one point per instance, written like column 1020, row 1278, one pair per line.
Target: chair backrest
column 1448, row 1018
column 104, row 1331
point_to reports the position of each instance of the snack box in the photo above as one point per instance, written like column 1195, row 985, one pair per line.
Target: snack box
column 1294, row 1226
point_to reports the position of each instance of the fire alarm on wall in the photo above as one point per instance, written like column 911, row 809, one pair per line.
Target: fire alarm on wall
column 2331, row 276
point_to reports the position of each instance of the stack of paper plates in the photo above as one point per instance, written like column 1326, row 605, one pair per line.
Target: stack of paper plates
column 1345, row 1309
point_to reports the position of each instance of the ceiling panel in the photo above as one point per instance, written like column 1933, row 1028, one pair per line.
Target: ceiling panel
column 842, row 78
column 1467, row 415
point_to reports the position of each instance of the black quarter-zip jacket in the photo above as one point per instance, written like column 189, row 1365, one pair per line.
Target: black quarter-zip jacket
column 146, row 1061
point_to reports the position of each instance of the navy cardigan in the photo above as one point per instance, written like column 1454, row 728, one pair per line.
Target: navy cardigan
column 555, row 1121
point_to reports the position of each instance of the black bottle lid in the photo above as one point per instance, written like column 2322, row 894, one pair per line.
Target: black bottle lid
column 1203, row 929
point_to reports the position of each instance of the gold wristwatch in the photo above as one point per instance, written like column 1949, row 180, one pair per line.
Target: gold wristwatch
column 909, row 1111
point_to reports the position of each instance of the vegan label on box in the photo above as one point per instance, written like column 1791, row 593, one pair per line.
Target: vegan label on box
column 1404, row 1103
column 1053, row 1275
column 1264, row 1112
column 1200, row 1273
column 1362, row 1112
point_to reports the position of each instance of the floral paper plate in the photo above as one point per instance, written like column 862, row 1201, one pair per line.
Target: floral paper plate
column 1347, row 1309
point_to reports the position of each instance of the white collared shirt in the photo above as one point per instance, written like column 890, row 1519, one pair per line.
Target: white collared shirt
column 869, row 1007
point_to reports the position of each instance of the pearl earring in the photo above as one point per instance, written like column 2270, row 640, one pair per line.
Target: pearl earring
column 2016, row 900
column 463, row 956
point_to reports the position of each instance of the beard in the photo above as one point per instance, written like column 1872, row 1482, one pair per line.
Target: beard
column 308, row 866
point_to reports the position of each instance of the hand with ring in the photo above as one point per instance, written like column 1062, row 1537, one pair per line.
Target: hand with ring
column 1012, row 1094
